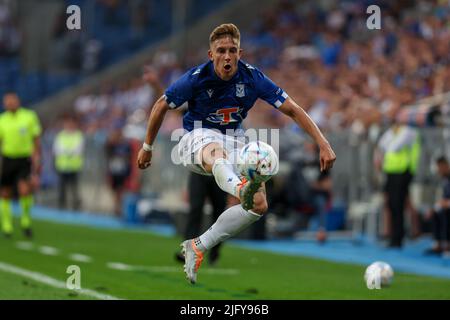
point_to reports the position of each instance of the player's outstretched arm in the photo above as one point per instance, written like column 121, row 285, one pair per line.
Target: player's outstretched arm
column 154, row 123
column 293, row 110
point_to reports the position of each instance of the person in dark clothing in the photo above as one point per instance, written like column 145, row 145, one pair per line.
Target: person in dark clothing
column 200, row 188
column 118, row 155
column 321, row 197
column 440, row 214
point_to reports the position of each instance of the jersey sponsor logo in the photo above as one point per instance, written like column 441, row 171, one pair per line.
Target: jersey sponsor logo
column 225, row 115
column 210, row 92
column 240, row 90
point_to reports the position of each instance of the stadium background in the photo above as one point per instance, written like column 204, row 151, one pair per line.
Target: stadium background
column 353, row 81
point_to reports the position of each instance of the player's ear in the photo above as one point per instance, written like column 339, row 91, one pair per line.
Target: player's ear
column 240, row 52
column 210, row 55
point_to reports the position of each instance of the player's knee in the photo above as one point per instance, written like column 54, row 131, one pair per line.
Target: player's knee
column 210, row 154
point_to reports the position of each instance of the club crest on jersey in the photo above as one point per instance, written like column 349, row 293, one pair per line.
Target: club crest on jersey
column 225, row 116
column 240, row 90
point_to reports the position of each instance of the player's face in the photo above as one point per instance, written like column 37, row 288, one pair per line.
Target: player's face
column 11, row 102
column 225, row 54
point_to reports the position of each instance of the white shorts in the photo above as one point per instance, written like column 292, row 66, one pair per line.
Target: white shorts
column 191, row 144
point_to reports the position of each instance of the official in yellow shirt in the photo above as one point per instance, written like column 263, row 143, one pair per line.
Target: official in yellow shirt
column 68, row 152
column 20, row 148
column 400, row 149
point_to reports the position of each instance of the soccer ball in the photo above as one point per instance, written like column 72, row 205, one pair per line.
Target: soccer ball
column 382, row 269
column 257, row 161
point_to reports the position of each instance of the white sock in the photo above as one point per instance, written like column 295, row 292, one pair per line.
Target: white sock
column 230, row 222
column 225, row 177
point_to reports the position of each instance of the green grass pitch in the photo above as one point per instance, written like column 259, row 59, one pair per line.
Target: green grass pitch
column 240, row 273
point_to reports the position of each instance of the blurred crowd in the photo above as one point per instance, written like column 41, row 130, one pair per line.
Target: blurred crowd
column 347, row 75
column 111, row 30
column 39, row 55
column 324, row 56
column 115, row 29
column 10, row 38
column 342, row 73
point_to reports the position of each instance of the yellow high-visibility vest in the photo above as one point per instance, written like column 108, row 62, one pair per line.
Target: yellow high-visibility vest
column 404, row 160
column 68, row 151
column 396, row 162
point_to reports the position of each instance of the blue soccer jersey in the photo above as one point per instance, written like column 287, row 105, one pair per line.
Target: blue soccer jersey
column 220, row 104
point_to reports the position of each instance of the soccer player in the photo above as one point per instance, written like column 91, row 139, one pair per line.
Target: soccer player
column 20, row 132
column 219, row 93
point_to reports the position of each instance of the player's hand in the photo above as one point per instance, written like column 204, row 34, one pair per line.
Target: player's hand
column 144, row 159
column 327, row 157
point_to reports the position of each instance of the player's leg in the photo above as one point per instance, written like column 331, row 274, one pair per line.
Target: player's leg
column 213, row 157
column 6, row 211
column 7, row 181
column 204, row 151
column 26, row 203
column 230, row 222
column 25, row 189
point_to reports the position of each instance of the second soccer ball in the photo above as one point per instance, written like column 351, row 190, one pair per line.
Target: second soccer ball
column 379, row 269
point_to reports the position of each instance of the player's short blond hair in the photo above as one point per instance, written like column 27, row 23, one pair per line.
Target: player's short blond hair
column 224, row 30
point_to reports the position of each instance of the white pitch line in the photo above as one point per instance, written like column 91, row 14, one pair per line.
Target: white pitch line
column 42, row 278
column 49, row 251
column 23, row 245
column 80, row 257
column 119, row 266
column 169, row 269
